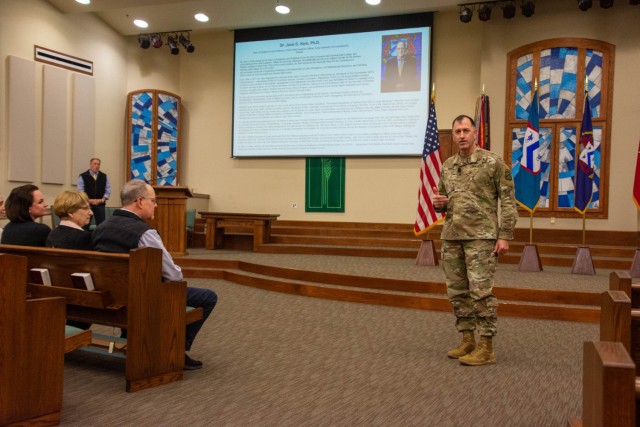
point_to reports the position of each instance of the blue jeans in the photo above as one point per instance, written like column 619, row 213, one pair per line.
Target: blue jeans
column 199, row 297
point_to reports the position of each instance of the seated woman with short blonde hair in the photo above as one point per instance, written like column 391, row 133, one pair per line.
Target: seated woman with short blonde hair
column 72, row 207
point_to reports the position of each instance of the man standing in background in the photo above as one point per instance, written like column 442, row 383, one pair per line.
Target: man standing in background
column 97, row 186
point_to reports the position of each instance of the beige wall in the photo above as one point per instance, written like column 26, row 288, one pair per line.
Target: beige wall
column 25, row 23
column 465, row 56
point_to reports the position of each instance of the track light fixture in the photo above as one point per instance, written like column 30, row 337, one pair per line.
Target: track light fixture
column 484, row 9
column 484, row 13
column 606, row 4
column 144, row 42
column 509, row 10
column 170, row 38
column 465, row 14
column 585, row 5
column 184, row 41
column 528, row 8
column 173, row 45
column 156, row 40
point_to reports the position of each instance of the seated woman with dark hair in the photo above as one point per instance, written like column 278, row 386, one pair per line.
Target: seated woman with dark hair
column 24, row 205
column 72, row 207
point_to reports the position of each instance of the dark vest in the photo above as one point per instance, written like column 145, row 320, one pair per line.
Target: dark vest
column 94, row 187
column 119, row 233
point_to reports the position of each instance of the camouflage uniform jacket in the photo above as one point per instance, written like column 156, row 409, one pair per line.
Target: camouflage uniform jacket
column 473, row 185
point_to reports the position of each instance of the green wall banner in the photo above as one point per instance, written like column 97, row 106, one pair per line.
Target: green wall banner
column 324, row 184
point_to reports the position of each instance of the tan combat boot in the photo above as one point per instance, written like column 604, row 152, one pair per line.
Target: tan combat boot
column 482, row 355
column 466, row 346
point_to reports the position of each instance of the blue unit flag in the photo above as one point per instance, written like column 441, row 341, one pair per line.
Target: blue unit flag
column 527, row 180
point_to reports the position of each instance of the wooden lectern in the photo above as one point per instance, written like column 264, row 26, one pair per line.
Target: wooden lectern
column 170, row 219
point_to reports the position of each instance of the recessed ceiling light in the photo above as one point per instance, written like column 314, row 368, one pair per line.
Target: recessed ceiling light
column 373, row 2
column 201, row 17
column 140, row 23
column 84, row 1
column 280, row 8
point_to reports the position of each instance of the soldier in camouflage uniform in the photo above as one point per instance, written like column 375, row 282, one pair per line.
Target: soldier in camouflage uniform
column 473, row 184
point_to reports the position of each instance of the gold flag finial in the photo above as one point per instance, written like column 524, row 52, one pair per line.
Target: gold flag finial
column 433, row 91
column 535, row 84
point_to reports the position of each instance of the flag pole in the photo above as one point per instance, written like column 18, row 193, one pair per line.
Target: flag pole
column 535, row 88
column 431, row 164
column 433, row 99
column 530, row 228
column 530, row 260
column 583, row 263
column 584, row 213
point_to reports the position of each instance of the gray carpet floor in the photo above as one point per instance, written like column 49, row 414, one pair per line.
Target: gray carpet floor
column 273, row 359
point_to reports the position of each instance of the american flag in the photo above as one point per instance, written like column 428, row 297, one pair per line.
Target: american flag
column 430, row 168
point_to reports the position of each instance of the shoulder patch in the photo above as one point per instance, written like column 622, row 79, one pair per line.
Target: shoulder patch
column 507, row 175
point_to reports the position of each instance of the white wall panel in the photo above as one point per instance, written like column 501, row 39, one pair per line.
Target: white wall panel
column 83, row 130
column 21, row 122
column 55, row 113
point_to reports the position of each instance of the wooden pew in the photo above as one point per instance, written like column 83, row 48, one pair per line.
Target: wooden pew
column 629, row 329
column 217, row 222
column 615, row 318
column 610, row 377
column 75, row 338
column 129, row 293
column 32, row 341
column 608, row 395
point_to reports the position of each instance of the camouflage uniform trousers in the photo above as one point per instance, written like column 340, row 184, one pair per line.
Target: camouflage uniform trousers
column 469, row 266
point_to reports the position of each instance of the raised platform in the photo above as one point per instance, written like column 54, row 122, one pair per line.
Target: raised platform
column 576, row 306
column 610, row 250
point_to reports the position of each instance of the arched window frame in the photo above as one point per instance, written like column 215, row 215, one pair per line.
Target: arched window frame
column 556, row 129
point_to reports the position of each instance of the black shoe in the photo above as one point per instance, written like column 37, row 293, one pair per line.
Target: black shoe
column 190, row 364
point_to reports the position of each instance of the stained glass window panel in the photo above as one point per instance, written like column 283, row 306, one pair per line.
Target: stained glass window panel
column 523, row 86
column 141, row 135
column 558, row 68
column 167, row 154
column 567, row 167
column 593, row 67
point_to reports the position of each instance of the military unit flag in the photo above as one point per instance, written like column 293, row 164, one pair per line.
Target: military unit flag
column 527, row 180
column 584, row 166
column 482, row 122
column 430, row 169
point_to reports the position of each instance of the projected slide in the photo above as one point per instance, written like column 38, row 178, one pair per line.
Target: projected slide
column 359, row 94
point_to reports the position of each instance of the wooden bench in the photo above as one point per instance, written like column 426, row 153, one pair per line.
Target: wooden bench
column 32, row 341
column 608, row 386
column 611, row 379
column 217, row 222
column 75, row 338
column 129, row 293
